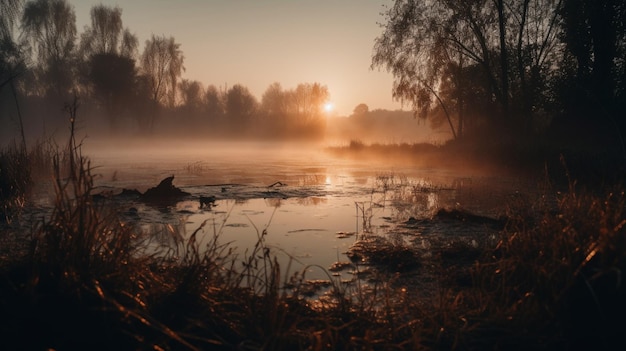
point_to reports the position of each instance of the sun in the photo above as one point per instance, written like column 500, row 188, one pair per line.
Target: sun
column 329, row 107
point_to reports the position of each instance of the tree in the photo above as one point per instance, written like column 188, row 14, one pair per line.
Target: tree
column 113, row 80
column 427, row 42
column 273, row 101
column 240, row 106
column 417, row 42
column 50, row 28
column 213, row 102
column 360, row 110
column 162, row 63
column 593, row 87
column 109, row 51
column 274, row 108
column 308, row 102
column 594, row 35
column 11, row 58
column 107, row 35
column 192, row 94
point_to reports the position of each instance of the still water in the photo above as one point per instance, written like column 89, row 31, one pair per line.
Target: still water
column 312, row 206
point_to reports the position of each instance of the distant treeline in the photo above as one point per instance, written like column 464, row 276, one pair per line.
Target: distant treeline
column 383, row 126
column 45, row 62
column 483, row 70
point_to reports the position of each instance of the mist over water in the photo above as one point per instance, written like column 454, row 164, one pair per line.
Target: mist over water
column 313, row 205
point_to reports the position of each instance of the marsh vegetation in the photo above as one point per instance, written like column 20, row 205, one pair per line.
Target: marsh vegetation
column 542, row 272
column 491, row 216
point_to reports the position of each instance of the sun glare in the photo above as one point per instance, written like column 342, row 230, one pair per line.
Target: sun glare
column 329, row 107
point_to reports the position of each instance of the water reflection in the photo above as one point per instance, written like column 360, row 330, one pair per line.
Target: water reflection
column 318, row 227
column 311, row 206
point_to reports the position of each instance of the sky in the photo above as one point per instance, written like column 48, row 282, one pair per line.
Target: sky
column 258, row 42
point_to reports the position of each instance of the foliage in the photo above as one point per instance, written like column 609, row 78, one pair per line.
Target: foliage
column 239, row 105
column 295, row 111
column 11, row 60
column 506, row 67
column 162, row 63
column 50, row 28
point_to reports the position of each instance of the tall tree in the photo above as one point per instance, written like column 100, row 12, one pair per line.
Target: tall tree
column 109, row 51
column 162, row 65
column 107, row 35
column 192, row 94
column 213, row 103
column 425, row 42
column 594, row 34
column 162, row 62
column 11, row 58
column 274, row 108
column 240, row 106
column 308, row 102
column 360, row 110
column 50, row 28
column 106, row 28
column 273, row 101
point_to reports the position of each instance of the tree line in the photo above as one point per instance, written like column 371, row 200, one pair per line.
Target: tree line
column 45, row 61
column 512, row 69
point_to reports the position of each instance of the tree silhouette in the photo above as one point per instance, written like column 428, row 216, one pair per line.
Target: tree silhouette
column 214, row 103
column 109, row 51
column 594, row 34
column 360, row 110
column 192, row 95
column 50, row 28
column 162, row 62
column 240, row 106
column 11, row 58
column 308, row 101
column 113, row 79
column 162, row 65
column 275, row 108
column 514, row 45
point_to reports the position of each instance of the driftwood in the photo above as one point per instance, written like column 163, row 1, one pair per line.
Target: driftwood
column 163, row 193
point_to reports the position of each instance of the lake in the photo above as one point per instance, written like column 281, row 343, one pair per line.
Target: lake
column 312, row 206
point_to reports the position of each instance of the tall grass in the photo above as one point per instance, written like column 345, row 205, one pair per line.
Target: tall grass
column 559, row 275
column 15, row 179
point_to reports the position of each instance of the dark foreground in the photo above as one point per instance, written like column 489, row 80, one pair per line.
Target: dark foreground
column 84, row 279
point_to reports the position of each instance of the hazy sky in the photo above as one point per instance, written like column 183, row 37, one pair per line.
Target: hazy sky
column 258, row 42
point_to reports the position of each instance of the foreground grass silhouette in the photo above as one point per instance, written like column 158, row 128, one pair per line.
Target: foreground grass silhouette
column 83, row 279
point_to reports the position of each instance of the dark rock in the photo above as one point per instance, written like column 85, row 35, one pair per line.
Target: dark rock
column 207, row 201
column 130, row 193
column 164, row 193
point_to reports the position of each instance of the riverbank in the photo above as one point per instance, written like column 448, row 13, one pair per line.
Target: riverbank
column 590, row 165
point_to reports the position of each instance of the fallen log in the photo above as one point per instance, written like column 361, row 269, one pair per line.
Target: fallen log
column 164, row 193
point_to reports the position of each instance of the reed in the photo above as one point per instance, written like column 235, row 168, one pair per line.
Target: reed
column 15, row 180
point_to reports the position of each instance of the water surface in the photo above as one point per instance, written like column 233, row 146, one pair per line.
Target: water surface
column 312, row 206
